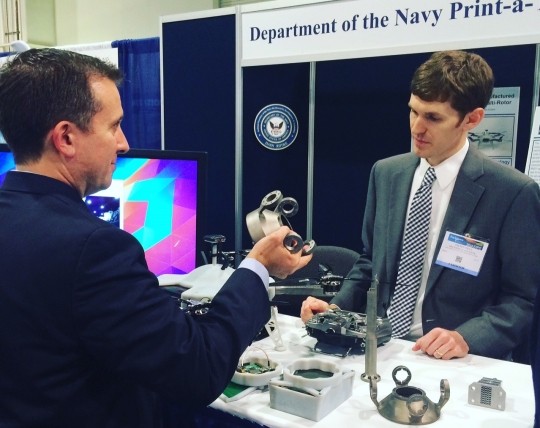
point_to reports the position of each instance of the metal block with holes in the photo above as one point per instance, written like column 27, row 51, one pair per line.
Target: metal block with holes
column 487, row 392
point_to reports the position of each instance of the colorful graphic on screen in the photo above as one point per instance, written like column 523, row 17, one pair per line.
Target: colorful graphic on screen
column 6, row 164
column 158, row 206
column 153, row 199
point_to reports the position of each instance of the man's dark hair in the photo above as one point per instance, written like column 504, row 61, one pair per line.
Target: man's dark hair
column 41, row 87
column 463, row 79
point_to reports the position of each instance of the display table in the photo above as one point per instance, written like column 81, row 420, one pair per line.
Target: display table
column 427, row 373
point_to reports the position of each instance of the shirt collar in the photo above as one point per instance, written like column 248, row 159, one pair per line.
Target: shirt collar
column 447, row 170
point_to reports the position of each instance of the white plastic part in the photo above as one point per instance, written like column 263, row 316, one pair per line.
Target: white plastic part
column 310, row 364
column 204, row 282
column 307, row 402
column 250, row 379
column 272, row 328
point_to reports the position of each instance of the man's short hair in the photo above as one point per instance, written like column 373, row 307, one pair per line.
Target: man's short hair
column 463, row 79
column 42, row 87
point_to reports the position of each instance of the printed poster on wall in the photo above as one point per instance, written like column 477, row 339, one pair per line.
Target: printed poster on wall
column 532, row 168
column 496, row 134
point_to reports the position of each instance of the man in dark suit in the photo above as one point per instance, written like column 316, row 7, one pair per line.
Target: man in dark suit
column 486, row 309
column 87, row 337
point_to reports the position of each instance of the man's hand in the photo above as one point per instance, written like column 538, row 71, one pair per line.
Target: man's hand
column 442, row 344
column 279, row 261
column 312, row 306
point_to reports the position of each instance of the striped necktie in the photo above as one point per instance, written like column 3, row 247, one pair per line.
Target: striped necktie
column 412, row 258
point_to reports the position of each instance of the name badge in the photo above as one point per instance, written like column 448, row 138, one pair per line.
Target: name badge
column 462, row 253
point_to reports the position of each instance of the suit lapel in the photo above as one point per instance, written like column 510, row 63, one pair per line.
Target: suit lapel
column 463, row 201
column 401, row 182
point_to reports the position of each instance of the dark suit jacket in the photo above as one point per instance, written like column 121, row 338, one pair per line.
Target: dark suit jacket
column 492, row 311
column 87, row 337
column 535, row 359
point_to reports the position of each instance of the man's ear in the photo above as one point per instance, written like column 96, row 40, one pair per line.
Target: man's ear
column 64, row 137
column 473, row 118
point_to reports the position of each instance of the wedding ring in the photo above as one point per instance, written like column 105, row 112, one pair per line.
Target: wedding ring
column 438, row 353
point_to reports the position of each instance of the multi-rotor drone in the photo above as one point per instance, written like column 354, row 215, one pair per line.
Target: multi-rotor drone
column 486, row 137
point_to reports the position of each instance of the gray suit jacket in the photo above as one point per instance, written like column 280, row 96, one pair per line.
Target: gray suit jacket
column 492, row 311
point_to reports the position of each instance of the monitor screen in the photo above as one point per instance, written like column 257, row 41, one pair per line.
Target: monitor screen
column 157, row 196
column 6, row 162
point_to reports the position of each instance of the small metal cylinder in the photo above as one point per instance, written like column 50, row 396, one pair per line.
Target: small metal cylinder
column 371, row 334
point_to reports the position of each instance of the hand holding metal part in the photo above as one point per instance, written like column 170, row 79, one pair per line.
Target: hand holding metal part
column 269, row 217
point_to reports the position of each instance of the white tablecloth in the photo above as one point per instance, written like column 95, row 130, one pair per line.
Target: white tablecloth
column 427, row 373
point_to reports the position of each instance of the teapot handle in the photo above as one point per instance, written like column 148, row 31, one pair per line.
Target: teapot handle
column 445, row 393
column 373, row 392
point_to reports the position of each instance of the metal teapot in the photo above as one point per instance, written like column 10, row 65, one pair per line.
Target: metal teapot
column 408, row 404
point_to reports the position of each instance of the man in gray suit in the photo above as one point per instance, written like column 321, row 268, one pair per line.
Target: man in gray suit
column 484, row 215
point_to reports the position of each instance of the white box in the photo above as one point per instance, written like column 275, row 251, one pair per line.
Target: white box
column 307, row 402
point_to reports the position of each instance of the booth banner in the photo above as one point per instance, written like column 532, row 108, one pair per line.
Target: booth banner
column 496, row 134
column 363, row 28
column 532, row 169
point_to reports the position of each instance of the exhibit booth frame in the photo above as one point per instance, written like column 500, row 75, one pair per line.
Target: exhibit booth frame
column 218, row 73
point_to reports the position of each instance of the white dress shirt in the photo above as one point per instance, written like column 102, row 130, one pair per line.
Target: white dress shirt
column 442, row 188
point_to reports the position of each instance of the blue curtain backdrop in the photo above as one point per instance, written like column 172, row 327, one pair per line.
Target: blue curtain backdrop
column 141, row 101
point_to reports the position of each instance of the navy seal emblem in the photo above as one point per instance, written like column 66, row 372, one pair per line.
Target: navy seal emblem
column 276, row 127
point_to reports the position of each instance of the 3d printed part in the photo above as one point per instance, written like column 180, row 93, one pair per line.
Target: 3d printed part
column 269, row 217
column 345, row 328
column 251, row 376
column 409, row 405
column 487, row 392
column 311, row 388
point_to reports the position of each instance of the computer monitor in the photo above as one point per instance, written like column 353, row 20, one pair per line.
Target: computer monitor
column 159, row 196
column 6, row 161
